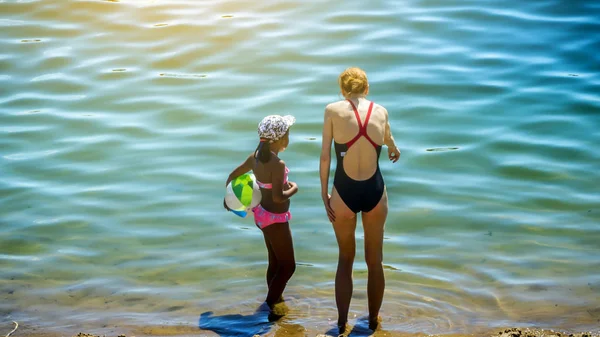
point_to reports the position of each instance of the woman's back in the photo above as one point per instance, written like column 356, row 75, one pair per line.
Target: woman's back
column 361, row 157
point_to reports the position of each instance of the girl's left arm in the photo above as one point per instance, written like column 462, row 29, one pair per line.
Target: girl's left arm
column 243, row 168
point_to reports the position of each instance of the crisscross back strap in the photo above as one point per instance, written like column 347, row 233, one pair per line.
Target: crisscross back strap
column 362, row 128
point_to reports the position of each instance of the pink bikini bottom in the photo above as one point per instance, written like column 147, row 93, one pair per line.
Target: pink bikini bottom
column 264, row 218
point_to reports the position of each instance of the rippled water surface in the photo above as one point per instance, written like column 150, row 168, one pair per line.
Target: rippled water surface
column 120, row 120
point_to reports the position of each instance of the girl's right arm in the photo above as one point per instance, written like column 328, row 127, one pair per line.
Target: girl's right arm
column 246, row 166
column 279, row 195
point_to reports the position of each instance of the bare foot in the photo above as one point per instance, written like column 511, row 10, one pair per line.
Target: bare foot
column 277, row 311
column 374, row 323
column 342, row 328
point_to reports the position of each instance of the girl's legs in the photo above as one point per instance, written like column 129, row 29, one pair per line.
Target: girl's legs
column 344, row 227
column 278, row 238
column 373, row 224
column 272, row 261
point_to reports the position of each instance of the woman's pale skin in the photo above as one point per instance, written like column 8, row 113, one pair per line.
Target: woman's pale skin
column 360, row 163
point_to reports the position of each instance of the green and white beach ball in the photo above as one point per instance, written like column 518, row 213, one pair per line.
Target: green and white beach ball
column 242, row 194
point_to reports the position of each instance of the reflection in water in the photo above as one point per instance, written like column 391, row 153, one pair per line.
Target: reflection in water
column 259, row 323
column 236, row 325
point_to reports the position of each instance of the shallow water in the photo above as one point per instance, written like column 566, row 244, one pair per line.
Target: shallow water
column 119, row 121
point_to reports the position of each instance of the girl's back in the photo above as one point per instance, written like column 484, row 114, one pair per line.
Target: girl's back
column 270, row 173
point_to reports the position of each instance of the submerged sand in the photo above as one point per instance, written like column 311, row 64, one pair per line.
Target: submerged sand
column 189, row 331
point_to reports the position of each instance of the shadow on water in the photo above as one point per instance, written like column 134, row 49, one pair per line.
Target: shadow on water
column 236, row 325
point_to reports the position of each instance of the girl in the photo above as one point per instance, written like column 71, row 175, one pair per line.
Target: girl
column 272, row 215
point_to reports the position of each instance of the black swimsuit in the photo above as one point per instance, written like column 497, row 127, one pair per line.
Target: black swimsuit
column 358, row 195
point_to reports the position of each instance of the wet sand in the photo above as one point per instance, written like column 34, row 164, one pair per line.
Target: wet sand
column 281, row 331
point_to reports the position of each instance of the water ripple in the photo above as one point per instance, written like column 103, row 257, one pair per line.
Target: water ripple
column 120, row 120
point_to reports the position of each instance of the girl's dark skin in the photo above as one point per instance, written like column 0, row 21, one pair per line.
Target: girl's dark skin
column 278, row 237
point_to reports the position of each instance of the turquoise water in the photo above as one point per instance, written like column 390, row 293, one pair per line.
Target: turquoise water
column 120, row 120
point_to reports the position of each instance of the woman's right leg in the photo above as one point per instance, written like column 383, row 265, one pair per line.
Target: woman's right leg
column 344, row 227
column 279, row 237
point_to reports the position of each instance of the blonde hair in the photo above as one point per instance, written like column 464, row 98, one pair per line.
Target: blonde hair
column 353, row 82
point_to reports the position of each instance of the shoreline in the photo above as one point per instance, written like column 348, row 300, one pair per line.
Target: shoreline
column 189, row 331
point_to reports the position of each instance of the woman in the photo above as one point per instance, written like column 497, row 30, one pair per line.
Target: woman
column 358, row 128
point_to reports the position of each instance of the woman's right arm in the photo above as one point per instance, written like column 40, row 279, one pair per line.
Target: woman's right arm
column 325, row 162
column 388, row 139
